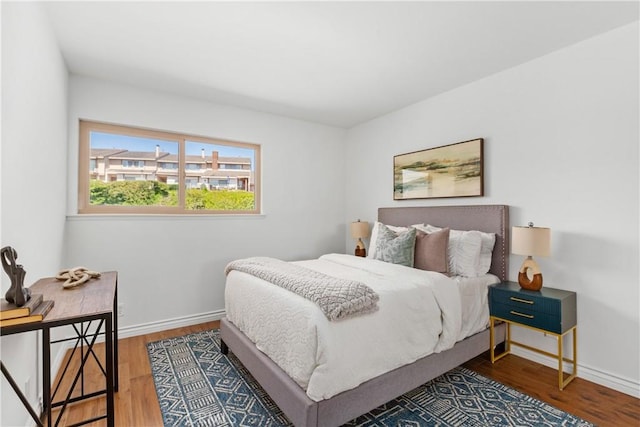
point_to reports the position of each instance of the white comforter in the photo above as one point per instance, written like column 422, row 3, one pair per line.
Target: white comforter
column 419, row 314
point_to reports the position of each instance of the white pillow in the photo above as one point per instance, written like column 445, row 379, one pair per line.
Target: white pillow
column 486, row 252
column 374, row 236
column 469, row 251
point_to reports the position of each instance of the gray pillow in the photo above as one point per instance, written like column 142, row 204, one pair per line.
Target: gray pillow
column 431, row 251
column 396, row 248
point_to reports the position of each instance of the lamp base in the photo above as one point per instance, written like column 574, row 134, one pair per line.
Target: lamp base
column 360, row 250
column 533, row 284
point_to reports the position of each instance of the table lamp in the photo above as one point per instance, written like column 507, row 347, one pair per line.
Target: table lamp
column 530, row 241
column 358, row 231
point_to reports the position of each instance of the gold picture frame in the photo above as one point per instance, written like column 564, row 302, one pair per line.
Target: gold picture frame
column 454, row 170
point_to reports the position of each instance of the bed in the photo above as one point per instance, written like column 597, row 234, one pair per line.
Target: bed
column 339, row 408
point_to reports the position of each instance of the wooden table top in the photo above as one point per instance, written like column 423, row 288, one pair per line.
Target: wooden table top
column 93, row 297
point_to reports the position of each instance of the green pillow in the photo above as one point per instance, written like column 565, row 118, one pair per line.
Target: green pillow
column 396, row 248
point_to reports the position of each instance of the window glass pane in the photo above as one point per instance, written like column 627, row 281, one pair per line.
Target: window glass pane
column 130, row 171
column 219, row 177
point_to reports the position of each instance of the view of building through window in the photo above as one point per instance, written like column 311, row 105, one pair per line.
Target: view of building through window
column 130, row 167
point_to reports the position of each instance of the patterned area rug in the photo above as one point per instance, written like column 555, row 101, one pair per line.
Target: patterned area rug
column 199, row 386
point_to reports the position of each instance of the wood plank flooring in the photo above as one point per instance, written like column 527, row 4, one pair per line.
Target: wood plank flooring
column 136, row 404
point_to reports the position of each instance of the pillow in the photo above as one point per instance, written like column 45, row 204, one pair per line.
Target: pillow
column 374, row 236
column 486, row 252
column 396, row 248
column 431, row 252
column 483, row 262
column 463, row 250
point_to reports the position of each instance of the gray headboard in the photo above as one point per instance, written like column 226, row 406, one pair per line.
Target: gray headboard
column 487, row 218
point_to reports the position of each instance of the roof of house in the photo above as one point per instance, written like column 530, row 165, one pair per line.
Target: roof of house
column 105, row 152
column 141, row 155
column 121, row 153
column 199, row 159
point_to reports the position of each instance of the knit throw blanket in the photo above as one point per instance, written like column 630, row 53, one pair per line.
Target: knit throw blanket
column 337, row 298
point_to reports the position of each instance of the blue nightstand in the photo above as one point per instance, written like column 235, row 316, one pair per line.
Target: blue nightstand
column 551, row 311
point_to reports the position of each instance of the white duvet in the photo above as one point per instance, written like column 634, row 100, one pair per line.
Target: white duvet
column 419, row 314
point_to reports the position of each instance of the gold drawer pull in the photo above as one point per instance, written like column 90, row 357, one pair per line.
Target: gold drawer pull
column 526, row 301
column 528, row 316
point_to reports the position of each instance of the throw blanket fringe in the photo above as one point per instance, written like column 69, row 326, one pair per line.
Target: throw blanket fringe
column 337, row 298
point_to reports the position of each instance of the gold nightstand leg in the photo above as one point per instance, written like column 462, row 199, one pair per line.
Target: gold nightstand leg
column 560, row 357
column 562, row 382
column 575, row 351
column 492, row 341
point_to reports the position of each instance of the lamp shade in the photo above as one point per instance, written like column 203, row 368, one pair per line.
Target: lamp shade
column 359, row 229
column 531, row 241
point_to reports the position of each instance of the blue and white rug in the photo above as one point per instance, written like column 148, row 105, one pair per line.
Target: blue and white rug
column 198, row 386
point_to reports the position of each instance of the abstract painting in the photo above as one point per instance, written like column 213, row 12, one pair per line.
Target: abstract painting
column 454, row 170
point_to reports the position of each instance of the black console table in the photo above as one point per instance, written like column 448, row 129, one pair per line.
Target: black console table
column 90, row 310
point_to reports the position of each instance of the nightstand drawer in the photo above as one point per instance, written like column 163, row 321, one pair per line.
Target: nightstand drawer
column 552, row 310
column 526, row 300
column 527, row 315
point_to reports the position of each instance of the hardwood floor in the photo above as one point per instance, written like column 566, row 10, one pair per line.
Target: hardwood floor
column 592, row 402
column 136, row 404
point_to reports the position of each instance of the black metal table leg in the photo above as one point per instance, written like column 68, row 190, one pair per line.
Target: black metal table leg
column 110, row 371
column 46, row 374
column 115, row 340
column 22, row 397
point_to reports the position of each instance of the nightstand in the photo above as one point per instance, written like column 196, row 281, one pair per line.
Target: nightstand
column 551, row 311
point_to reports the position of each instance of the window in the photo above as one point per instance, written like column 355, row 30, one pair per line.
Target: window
column 131, row 170
column 133, row 163
column 230, row 166
column 165, row 165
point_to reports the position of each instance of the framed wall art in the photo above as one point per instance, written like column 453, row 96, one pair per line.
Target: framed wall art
column 454, row 170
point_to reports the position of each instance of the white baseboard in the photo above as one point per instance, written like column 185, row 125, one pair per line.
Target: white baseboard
column 163, row 325
column 597, row 376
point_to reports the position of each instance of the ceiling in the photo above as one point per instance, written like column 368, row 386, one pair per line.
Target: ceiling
column 336, row 63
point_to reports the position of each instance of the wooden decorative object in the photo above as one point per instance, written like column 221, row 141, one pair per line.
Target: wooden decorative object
column 17, row 293
column 534, row 284
column 76, row 276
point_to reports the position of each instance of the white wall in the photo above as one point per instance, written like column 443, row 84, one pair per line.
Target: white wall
column 34, row 173
column 172, row 267
column 561, row 148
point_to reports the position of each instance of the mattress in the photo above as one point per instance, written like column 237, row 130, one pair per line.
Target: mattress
column 419, row 313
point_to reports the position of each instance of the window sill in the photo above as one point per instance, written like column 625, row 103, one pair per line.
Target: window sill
column 152, row 217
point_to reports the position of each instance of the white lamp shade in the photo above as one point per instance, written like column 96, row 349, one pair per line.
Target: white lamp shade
column 531, row 241
column 359, row 229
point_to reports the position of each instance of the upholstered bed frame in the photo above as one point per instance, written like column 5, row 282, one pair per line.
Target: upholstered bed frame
column 292, row 399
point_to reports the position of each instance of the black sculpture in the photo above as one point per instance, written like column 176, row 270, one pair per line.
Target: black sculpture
column 17, row 293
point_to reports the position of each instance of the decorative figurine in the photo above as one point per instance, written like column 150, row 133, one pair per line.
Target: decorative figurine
column 17, row 293
column 76, row 276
